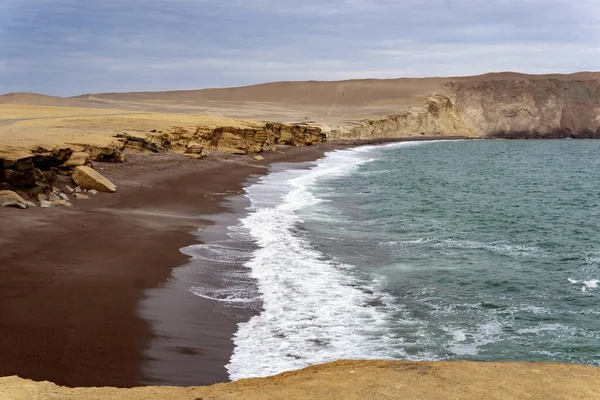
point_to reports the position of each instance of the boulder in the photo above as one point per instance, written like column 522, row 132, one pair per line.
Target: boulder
column 87, row 178
column 53, row 197
column 81, row 196
column 8, row 198
column 42, row 197
column 45, row 203
column 259, row 158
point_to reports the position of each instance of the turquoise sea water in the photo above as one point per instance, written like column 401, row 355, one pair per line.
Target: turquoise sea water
column 476, row 250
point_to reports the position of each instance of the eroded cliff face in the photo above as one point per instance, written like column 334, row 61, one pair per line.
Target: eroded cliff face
column 31, row 174
column 437, row 117
column 530, row 108
column 511, row 108
column 256, row 140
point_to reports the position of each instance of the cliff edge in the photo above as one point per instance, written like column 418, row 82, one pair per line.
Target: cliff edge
column 359, row 380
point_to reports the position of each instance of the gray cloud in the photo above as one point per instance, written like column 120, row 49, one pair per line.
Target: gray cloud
column 68, row 47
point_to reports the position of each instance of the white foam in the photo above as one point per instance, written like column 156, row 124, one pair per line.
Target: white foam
column 313, row 308
column 496, row 247
column 466, row 343
column 224, row 296
column 593, row 283
column 559, row 331
column 219, row 253
column 589, row 284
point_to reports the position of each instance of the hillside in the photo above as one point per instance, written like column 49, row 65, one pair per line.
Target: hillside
column 480, row 105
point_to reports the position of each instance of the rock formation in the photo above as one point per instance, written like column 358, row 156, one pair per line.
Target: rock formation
column 33, row 176
column 245, row 141
column 197, row 142
column 262, row 137
column 90, row 179
column 511, row 106
column 548, row 108
column 439, row 116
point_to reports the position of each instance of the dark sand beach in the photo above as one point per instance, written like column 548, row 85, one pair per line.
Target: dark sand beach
column 72, row 278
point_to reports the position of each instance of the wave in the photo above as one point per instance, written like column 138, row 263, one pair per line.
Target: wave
column 314, row 310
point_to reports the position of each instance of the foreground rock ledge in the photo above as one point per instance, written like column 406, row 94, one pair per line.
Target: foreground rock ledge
column 360, row 380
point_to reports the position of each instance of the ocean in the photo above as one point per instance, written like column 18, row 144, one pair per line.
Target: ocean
column 483, row 250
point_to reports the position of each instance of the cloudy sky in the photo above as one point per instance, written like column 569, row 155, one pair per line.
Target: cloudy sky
column 69, row 47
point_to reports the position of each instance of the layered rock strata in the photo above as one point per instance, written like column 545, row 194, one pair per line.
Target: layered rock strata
column 549, row 108
column 507, row 108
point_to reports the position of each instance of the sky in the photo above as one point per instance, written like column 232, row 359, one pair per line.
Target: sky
column 70, row 47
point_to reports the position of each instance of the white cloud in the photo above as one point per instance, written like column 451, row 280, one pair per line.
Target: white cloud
column 69, row 46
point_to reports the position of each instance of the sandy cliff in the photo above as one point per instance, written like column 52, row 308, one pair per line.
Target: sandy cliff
column 439, row 116
column 40, row 143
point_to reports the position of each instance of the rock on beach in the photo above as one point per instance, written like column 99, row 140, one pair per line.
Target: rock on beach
column 8, row 198
column 90, row 179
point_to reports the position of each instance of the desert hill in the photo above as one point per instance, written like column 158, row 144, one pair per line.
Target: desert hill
column 356, row 93
column 506, row 104
column 36, row 99
column 498, row 104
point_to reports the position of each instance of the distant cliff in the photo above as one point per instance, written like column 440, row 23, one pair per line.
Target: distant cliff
column 530, row 108
column 503, row 108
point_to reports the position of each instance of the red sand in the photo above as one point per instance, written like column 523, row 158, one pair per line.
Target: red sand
column 72, row 278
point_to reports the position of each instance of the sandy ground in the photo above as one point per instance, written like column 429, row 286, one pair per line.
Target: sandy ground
column 361, row 380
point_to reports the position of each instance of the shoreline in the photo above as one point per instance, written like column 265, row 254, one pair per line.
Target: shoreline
column 64, row 276
column 73, row 278
column 192, row 340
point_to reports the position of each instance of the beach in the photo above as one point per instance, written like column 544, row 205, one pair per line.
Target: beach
column 101, row 293
column 72, row 278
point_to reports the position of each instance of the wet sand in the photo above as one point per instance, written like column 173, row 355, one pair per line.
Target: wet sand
column 72, row 278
